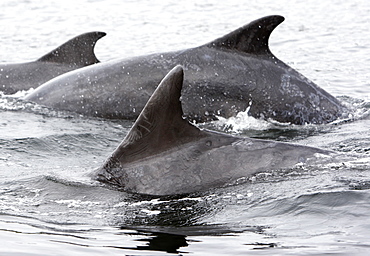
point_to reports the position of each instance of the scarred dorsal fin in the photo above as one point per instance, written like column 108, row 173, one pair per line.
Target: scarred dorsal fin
column 252, row 38
column 78, row 51
column 160, row 126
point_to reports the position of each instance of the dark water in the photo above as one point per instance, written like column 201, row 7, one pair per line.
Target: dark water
column 50, row 206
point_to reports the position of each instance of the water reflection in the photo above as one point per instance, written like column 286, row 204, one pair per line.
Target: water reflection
column 157, row 241
column 169, row 243
column 174, row 239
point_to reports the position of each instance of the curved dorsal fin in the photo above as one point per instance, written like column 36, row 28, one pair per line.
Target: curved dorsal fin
column 160, row 126
column 252, row 38
column 78, row 51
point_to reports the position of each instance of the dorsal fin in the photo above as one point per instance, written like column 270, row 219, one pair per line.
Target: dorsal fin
column 78, row 51
column 160, row 126
column 252, row 38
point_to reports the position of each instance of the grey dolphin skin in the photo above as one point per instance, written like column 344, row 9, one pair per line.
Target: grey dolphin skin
column 163, row 154
column 75, row 53
column 223, row 77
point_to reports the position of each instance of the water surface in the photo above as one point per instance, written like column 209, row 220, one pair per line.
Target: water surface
column 50, row 206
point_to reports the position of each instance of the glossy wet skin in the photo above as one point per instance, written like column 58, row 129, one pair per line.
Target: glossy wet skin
column 163, row 154
column 75, row 53
column 222, row 78
column 214, row 161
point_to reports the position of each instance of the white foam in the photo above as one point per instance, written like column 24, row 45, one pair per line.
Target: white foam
column 242, row 121
column 21, row 94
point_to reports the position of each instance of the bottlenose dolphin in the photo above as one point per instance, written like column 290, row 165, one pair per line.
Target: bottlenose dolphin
column 164, row 154
column 75, row 53
column 223, row 77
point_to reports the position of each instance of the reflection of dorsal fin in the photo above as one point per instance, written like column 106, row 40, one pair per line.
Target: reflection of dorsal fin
column 78, row 51
column 252, row 38
column 160, row 126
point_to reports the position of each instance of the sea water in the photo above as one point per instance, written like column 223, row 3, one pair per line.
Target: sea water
column 50, row 206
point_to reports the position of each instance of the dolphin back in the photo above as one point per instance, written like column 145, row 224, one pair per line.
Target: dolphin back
column 163, row 154
column 79, row 51
column 251, row 38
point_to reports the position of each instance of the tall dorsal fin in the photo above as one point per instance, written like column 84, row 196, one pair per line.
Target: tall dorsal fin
column 252, row 38
column 160, row 126
column 78, row 51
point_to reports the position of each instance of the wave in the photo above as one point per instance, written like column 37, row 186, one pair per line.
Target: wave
column 244, row 124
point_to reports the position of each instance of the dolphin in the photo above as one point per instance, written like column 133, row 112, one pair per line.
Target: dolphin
column 164, row 154
column 75, row 53
column 234, row 73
